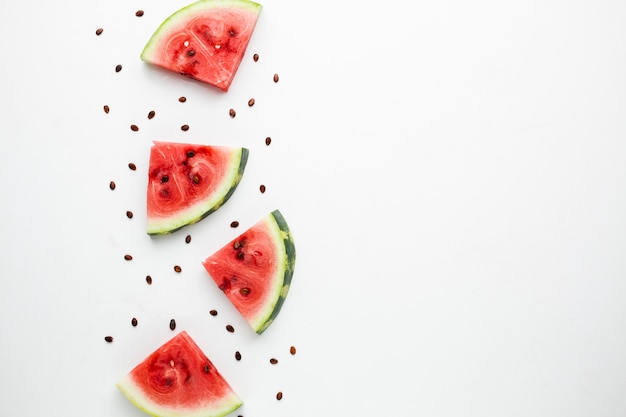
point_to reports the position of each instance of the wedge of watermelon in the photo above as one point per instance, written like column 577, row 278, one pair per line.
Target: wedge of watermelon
column 187, row 182
column 255, row 270
column 205, row 40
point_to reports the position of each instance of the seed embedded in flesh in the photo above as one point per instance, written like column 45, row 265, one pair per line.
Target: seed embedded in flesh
column 190, row 154
column 139, row 13
column 275, row 78
column 172, row 324
column 182, row 99
column 273, row 361
column 151, row 114
column 255, row 57
column 129, row 214
column 245, row 291
column 190, row 53
column 187, row 238
column 292, row 350
column 106, row 109
column 133, row 322
column 234, row 223
column 132, row 166
column 118, row 68
column 238, row 355
column 232, row 112
column 184, row 128
column 112, row 185
column 251, row 102
column 99, row 31
column 240, row 255
column 279, row 395
column 262, row 188
column 108, row 338
column 165, row 179
column 230, row 328
column 268, row 140
column 177, row 268
column 128, row 257
column 149, row 279
column 134, row 128
column 206, row 369
column 196, row 179
column 213, row 312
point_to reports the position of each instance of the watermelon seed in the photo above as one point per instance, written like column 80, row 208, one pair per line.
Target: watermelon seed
column 184, row 128
column 132, row 166
column 177, row 268
column 262, row 188
column 134, row 322
column 292, row 350
column 232, row 112
column 172, row 327
column 139, row 13
column 240, row 256
column 182, row 99
column 275, row 78
column 234, row 223
column 190, row 154
column 106, row 109
column 187, row 238
column 108, row 338
column 129, row 214
column 238, row 355
column 279, row 396
column 151, row 114
column 273, row 361
column 99, row 31
column 251, row 102
column 165, row 179
column 230, row 328
column 128, row 257
column 255, row 57
column 134, row 128
column 149, row 279
column 112, row 185
column 172, row 363
column 213, row 312
column 268, row 140
column 118, row 68
column 206, row 369
column 245, row 291
column 196, row 179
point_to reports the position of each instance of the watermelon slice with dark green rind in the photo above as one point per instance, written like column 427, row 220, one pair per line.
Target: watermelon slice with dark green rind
column 255, row 270
column 205, row 40
column 187, row 182
column 179, row 380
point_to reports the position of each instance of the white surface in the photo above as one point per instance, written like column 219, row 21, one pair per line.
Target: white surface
column 453, row 173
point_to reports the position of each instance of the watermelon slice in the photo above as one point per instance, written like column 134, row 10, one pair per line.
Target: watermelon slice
column 255, row 269
column 187, row 182
column 205, row 40
column 178, row 379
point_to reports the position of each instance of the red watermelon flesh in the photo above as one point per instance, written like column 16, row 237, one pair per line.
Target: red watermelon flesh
column 187, row 182
column 205, row 40
column 178, row 379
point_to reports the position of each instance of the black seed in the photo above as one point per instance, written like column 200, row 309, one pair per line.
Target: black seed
column 182, row 99
column 165, row 179
column 132, row 166
column 187, row 238
column 238, row 355
column 151, row 114
column 190, row 154
column 149, row 279
column 112, row 185
column 177, row 268
column 251, row 102
column 234, row 223
column 108, row 338
column 118, row 68
column 99, row 31
column 184, row 128
column 106, row 109
column 139, row 13
column 134, row 128
column 134, row 322
column 275, row 78
column 255, row 57
column 232, row 112
column 196, row 179
column 128, row 257
column 172, row 324
column 279, row 395
column 237, row 244
column 231, row 32
column 230, row 328
column 273, row 361
column 213, row 312
column 268, row 140
column 262, row 188
column 240, row 255
column 292, row 350
column 206, row 369
column 129, row 214
column 190, row 53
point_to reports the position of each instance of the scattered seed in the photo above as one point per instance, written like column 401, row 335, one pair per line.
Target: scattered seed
column 190, row 154
column 112, row 185
column 139, row 13
column 240, row 255
column 108, row 338
column 234, row 223
column 251, row 102
column 187, row 238
column 262, row 188
column 213, row 312
column 106, row 109
column 165, row 178
column 99, row 31
column 230, row 328
column 129, row 214
column 151, row 114
column 191, row 53
column 149, row 279
column 206, row 369
column 177, row 268
column 273, row 361
column 134, row 128
column 279, row 395
column 184, row 128
column 182, row 99
column 134, row 322
column 238, row 355
column 232, row 112
column 275, row 78
column 255, row 57
column 244, row 291
column 292, row 350
column 132, row 166
column 172, row 324
column 128, row 257
column 118, row 68
column 268, row 140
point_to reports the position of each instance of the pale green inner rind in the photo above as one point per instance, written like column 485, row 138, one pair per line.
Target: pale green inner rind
column 281, row 281
column 136, row 396
column 195, row 213
column 185, row 14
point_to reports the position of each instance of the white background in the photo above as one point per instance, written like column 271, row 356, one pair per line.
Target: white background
column 452, row 171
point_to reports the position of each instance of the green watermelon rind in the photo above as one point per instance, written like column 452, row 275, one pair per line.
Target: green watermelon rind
column 207, row 206
column 283, row 239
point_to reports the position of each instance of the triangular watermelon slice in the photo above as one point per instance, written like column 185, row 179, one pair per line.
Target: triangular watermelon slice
column 177, row 380
column 255, row 269
column 205, row 40
column 187, row 182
